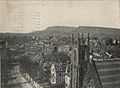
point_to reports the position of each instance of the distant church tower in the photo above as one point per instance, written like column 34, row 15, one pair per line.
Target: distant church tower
column 79, row 60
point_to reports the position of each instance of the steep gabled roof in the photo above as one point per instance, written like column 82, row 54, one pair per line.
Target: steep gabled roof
column 104, row 74
column 109, row 73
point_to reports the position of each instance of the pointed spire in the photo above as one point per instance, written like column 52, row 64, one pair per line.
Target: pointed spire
column 82, row 39
column 79, row 42
column 72, row 39
column 88, row 39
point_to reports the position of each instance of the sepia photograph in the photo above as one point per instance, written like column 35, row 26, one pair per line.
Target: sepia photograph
column 60, row 43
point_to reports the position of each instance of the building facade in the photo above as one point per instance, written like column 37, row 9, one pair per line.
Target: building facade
column 58, row 73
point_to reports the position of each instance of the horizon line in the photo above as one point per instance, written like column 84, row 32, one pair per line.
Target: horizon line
column 60, row 26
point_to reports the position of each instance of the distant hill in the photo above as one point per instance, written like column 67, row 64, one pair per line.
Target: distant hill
column 99, row 30
column 94, row 31
column 66, row 30
column 61, row 28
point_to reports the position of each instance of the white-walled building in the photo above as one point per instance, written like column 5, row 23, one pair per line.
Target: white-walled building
column 57, row 73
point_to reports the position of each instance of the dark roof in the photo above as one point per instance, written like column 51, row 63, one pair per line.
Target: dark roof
column 109, row 73
column 57, row 56
column 60, row 65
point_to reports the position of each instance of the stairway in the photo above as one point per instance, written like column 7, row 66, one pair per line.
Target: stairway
column 109, row 73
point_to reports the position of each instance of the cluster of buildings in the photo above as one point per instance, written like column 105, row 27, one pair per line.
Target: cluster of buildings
column 84, row 70
column 75, row 65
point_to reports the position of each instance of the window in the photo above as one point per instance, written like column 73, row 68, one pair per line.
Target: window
column 52, row 75
column 66, row 85
column 60, row 74
column 53, row 69
column 64, row 74
column 52, row 80
column 60, row 80
column 60, row 68
column 82, row 54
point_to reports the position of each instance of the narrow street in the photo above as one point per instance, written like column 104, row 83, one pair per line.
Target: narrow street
column 15, row 79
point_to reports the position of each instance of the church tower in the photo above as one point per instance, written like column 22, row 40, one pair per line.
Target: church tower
column 79, row 59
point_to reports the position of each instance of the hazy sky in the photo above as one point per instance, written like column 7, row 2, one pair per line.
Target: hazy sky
column 27, row 16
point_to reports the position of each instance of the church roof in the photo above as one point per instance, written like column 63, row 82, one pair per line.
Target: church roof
column 109, row 73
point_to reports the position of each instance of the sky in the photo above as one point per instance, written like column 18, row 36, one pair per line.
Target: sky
column 28, row 16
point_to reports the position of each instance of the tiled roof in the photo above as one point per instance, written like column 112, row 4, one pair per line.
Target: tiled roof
column 109, row 73
column 57, row 56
